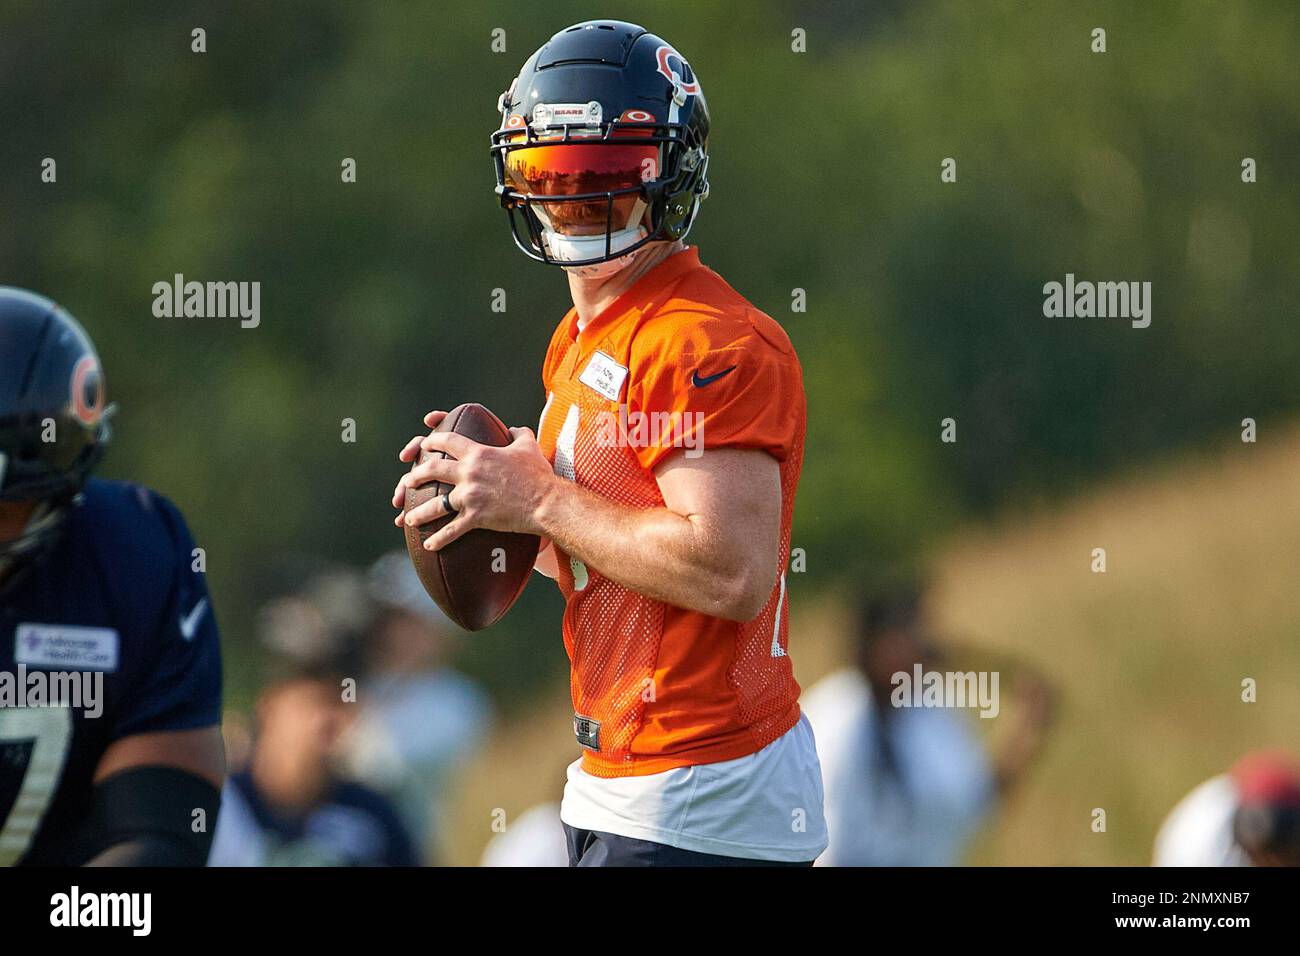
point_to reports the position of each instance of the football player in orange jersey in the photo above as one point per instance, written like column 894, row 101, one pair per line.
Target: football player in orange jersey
column 662, row 477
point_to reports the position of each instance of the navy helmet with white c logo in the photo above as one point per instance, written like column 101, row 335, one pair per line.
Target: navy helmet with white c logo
column 603, row 145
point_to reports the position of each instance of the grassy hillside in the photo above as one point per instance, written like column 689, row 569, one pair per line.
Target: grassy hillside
column 1200, row 593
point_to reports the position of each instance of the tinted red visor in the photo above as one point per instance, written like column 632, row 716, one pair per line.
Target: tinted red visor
column 576, row 168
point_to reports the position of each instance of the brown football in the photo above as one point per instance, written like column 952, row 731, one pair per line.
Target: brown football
column 477, row 577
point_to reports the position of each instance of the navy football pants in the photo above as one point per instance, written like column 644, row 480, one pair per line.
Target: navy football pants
column 597, row 848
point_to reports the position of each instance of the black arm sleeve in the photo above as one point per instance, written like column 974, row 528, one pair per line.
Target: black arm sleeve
column 150, row 816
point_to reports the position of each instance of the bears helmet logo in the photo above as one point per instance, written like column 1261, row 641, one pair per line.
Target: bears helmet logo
column 87, row 388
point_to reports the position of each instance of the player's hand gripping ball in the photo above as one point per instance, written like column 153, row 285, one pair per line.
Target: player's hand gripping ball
column 477, row 577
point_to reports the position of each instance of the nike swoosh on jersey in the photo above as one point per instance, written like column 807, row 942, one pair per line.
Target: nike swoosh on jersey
column 190, row 622
column 699, row 382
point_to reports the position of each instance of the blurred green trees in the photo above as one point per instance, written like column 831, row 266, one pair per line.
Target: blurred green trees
column 923, row 298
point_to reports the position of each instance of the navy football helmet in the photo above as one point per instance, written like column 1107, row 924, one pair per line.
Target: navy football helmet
column 53, row 422
column 603, row 145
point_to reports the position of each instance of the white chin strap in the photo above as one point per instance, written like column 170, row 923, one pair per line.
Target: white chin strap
column 577, row 248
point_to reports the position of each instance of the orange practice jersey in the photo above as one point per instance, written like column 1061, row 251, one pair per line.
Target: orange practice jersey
column 679, row 363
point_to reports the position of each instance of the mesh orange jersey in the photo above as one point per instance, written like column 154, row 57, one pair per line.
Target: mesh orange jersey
column 656, row 686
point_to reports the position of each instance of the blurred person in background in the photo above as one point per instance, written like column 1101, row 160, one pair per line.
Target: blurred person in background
column 534, row 838
column 1249, row 816
column 420, row 718
column 290, row 805
column 321, row 626
column 908, row 786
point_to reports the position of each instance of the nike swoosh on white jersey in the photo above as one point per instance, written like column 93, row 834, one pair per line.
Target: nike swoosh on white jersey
column 190, row 622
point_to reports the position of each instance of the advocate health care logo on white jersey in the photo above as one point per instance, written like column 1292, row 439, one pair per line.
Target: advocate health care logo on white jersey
column 604, row 375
